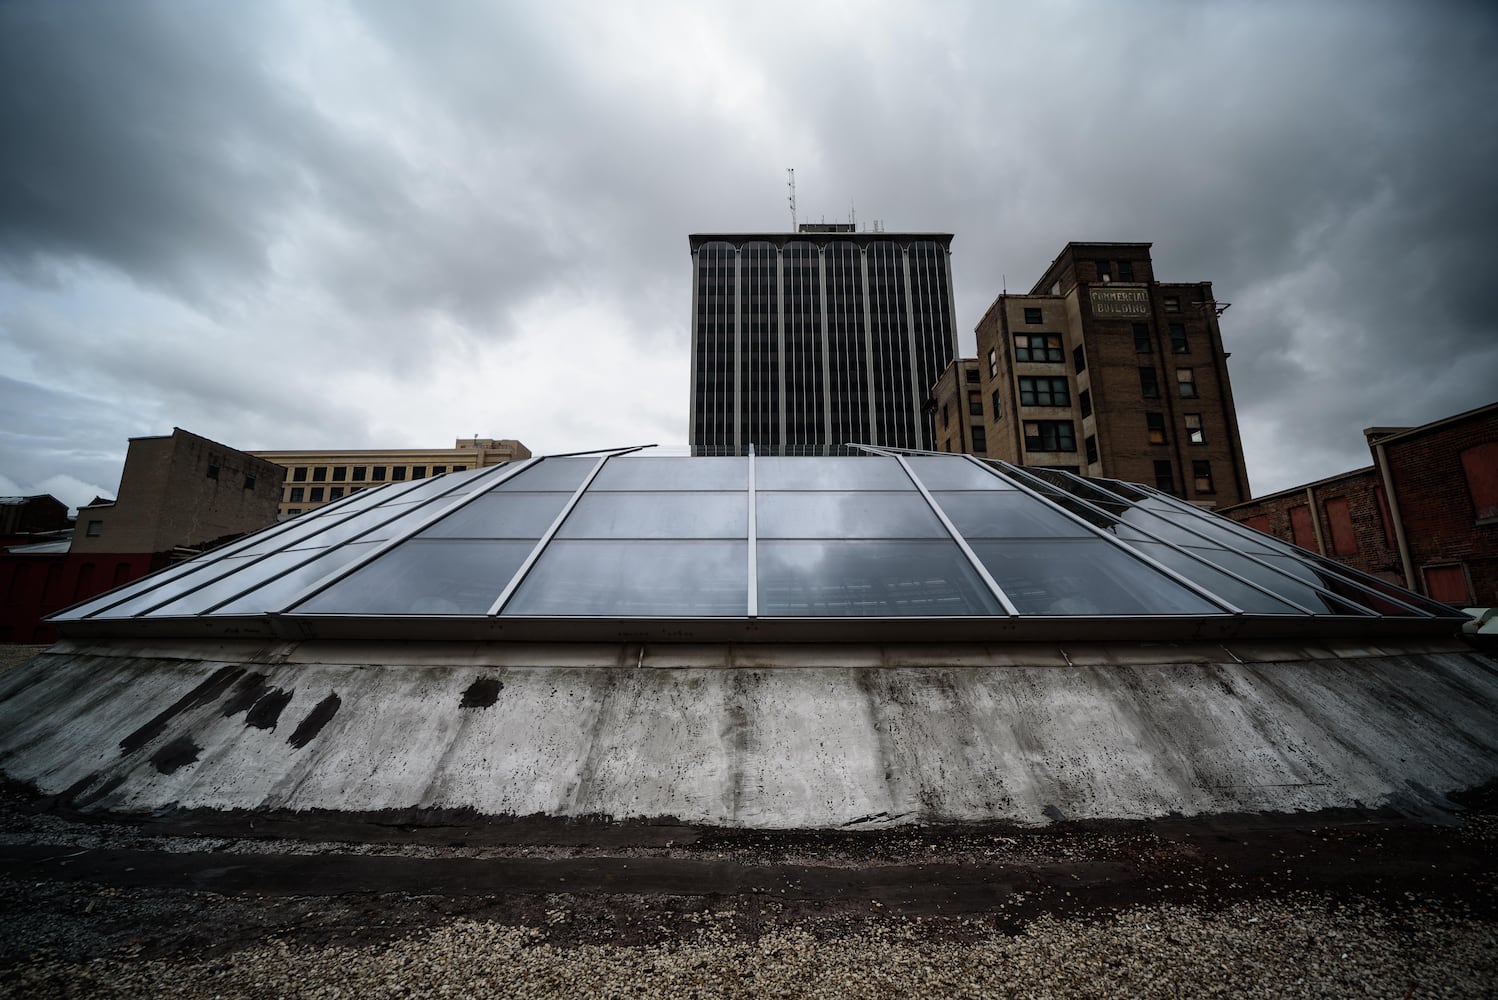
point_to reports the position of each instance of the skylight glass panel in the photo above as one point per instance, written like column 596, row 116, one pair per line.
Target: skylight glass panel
column 884, row 579
column 839, row 473
column 1083, row 577
column 375, row 524
column 1286, row 586
column 1010, row 514
column 862, row 514
column 173, row 589
column 637, row 579
column 270, row 570
column 551, row 474
column 936, row 473
column 634, row 474
column 658, row 515
column 139, row 587
column 427, row 577
column 276, row 593
column 501, row 515
column 1229, row 588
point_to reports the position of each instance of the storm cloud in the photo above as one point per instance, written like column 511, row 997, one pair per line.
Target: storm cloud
column 386, row 224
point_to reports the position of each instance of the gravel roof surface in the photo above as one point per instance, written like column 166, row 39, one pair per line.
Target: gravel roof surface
column 1334, row 906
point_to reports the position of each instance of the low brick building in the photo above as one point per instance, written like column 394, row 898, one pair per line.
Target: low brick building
column 1424, row 515
column 957, row 411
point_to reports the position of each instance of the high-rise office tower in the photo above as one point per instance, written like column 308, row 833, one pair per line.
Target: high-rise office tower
column 1103, row 370
column 822, row 337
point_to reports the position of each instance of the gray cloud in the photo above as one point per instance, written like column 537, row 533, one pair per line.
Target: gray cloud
column 280, row 224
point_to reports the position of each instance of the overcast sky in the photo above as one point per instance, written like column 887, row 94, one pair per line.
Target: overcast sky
column 305, row 225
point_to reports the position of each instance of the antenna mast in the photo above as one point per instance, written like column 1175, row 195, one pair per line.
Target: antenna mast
column 790, row 183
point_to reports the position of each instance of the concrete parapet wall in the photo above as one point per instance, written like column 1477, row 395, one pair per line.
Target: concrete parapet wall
column 774, row 745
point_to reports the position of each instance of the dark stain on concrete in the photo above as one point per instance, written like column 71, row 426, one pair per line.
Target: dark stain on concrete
column 266, row 712
column 322, row 713
column 176, row 755
column 482, row 693
column 250, row 689
column 210, row 689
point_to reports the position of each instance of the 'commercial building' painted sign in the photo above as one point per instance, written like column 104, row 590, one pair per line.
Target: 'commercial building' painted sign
column 1124, row 303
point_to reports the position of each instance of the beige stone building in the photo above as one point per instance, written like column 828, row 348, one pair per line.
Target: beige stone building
column 314, row 478
column 180, row 490
column 1103, row 370
column 957, row 410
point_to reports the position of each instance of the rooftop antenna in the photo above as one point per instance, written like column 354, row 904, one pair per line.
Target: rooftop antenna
column 790, row 183
column 852, row 216
column 1004, row 282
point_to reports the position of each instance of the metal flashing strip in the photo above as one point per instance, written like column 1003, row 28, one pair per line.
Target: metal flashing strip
column 972, row 557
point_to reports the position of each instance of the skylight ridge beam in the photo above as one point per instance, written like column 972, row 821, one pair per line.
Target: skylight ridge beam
column 509, row 470
column 1113, row 540
column 951, row 529
column 556, row 525
column 1161, row 540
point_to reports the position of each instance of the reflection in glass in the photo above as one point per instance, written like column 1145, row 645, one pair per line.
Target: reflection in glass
column 213, row 569
column 658, row 515
column 142, row 586
column 501, row 515
column 841, row 579
column 876, row 472
column 274, row 595
column 1006, row 514
column 1286, row 586
column 375, row 524
column 551, row 474
column 846, row 515
column 643, row 579
column 426, row 578
column 1234, row 591
column 1084, row 577
column 937, row 473
column 652, row 473
column 245, row 576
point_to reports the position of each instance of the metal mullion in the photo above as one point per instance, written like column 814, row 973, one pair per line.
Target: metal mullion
column 1160, row 540
column 972, row 557
column 1215, row 544
column 509, row 470
column 543, row 541
column 753, row 568
column 1113, row 540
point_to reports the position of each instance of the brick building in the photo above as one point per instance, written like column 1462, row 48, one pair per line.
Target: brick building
column 1424, row 515
column 956, row 410
column 1102, row 370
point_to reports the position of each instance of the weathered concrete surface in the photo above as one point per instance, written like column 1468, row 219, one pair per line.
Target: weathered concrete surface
column 1082, row 734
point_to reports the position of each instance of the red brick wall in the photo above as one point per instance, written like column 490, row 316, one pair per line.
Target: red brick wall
column 33, row 586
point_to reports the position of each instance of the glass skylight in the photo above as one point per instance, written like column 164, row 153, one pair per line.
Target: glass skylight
column 628, row 545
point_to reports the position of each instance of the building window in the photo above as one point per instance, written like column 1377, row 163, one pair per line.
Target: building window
column 438, row 470
column 1149, row 387
column 1126, row 270
column 212, row 471
column 971, row 373
column 358, row 475
column 1186, row 382
column 340, row 473
column 1043, row 390
column 1172, row 303
column 1084, row 399
column 379, row 474
column 1156, row 424
column 1091, row 444
column 980, row 439
column 1165, row 477
column 1480, row 463
column 320, row 474
column 1344, row 539
column 1103, row 273
column 95, row 529
column 299, row 474
column 418, row 472
column 946, row 413
column 975, row 403
column 249, row 482
column 298, row 494
column 1447, row 584
column 336, row 493
column 317, row 492
column 293, row 512
column 1037, row 347
column 1032, row 316
column 1079, row 359
column 398, row 472
column 1201, row 473
column 998, row 411
column 1302, row 530
column 993, row 364
column 1050, row 435
column 1141, row 338
column 1194, row 432
column 1178, row 343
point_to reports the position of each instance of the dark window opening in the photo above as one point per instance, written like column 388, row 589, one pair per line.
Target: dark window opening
column 1149, row 386
column 438, row 470
column 1165, row 479
column 249, row 482
column 1186, row 381
column 980, row 439
column 340, row 473
column 95, row 529
column 336, row 493
column 1126, row 270
column 1037, row 347
column 398, row 472
column 212, row 471
column 1044, row 390
column 320, row 474
column 1194, row 432
column 317, row 494
column 998, row 411
column 972, row 374
column 1141, row 338
column 1032, row 316
column 1084, row 399
column 1050, row 435
column 299, row 474
column 1172, row 303
column 1156, row 424
column 975, row 403
column 1103, row 273
column 1079, row 359
column 1201, row 472
column 1178, row 344
column 379, row 474
column 298, row 494
column 1091, row 449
